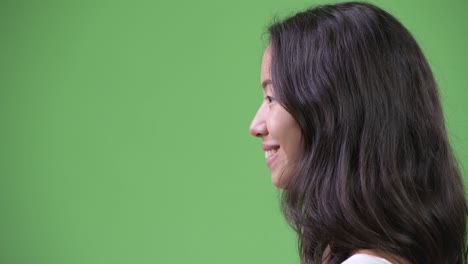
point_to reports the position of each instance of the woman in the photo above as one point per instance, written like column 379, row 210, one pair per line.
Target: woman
column 353, row 131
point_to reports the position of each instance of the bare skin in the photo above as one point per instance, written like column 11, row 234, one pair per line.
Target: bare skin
column 389, row 257
column 392, row 258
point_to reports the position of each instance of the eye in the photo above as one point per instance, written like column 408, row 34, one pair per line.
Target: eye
column 269, row 99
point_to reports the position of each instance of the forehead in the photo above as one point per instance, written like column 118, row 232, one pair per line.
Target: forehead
column 266, row 61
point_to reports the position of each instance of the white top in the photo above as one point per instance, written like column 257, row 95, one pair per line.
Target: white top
column 362, row 258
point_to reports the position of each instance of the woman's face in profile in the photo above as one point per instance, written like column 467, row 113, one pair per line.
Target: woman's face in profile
column 279, row 131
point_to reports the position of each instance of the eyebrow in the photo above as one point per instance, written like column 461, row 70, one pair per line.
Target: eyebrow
column 265, row 83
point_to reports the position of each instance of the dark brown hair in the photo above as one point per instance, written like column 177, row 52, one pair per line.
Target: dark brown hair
column 376, row 171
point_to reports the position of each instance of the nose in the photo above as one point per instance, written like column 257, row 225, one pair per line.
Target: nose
column 258, row 126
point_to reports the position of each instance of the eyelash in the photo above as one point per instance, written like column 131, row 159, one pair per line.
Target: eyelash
column 269, row 99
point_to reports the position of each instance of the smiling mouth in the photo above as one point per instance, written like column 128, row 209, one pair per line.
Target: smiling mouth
column 271, row 152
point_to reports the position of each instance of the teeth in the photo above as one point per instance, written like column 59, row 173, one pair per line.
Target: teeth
column 270, row 153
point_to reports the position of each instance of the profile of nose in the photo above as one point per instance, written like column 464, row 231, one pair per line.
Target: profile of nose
column 258, row 126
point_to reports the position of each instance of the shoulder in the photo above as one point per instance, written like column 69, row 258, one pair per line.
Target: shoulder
column 365, row 259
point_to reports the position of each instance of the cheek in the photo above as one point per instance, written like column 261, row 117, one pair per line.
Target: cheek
column 291, row 137
column 285, row 130
column 276, row 127
column 293, row 142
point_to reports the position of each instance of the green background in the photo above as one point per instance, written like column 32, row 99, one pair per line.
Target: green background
column 124, row 127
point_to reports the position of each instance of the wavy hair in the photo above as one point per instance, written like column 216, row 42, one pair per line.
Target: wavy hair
column 376, row 170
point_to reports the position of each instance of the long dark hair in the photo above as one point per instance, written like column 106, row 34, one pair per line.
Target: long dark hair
column 376, row 171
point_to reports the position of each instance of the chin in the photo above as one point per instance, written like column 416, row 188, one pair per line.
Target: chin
column 276, row 180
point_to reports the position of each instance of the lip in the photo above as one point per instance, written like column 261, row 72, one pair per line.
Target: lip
column 269, row 161
column 270, row 146
column 267, row 147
